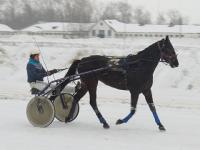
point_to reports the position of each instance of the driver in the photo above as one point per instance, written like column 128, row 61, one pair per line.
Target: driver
column 36, row 73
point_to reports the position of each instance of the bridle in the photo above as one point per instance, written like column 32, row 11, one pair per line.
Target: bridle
column 163, row 56
column 161, row 47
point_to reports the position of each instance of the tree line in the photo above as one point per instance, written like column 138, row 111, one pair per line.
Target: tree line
column 19, row 14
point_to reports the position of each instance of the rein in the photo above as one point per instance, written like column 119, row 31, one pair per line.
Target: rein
column 59, row 70
column 150, row 59
column 160, row 46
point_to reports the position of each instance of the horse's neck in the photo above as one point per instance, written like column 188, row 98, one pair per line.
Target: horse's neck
column 151, row 57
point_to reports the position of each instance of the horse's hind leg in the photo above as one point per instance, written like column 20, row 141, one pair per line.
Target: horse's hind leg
column 92, row 88
column 149, row 99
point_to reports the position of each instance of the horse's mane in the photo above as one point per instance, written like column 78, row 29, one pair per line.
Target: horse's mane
column 147, row 51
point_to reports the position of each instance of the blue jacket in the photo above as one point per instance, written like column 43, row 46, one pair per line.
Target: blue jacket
column 35, row 71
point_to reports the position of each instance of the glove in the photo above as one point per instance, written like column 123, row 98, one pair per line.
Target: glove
column 52, row 72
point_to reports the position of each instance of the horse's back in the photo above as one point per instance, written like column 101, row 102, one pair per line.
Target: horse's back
column 112, row 77
column 92, row 62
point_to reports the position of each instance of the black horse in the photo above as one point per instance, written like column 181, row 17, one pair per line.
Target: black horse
column 133, row 73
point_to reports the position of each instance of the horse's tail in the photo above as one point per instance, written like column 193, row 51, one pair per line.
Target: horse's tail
column 73, row 68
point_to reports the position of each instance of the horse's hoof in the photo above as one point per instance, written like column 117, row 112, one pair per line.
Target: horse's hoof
column 162, row 128
column 119, row 122
column 106, row 126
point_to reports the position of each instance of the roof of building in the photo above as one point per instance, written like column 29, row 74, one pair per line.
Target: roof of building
column 59, row 26
column 4, row 27
column 123, row 27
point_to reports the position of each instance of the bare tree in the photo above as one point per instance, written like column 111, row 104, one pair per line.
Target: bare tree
column 120, row 10
column 10, row 14
column 161, row 19
column 29, row 15
column 79, row 11
column 110, row 12
column 125, row 10
column 2, row 2
column 176, row 18
column 21, row 13
column 98, row 10
column 142, row 16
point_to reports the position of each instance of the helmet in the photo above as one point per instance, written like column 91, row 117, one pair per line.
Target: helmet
column 34, row 52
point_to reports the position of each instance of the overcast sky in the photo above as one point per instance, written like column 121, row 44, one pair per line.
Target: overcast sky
column 189, row 8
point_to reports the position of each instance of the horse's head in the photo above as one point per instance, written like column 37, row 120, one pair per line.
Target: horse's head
column 167, row 52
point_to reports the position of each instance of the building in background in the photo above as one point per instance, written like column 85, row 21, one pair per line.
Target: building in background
column 116, row 29
column 103, row 29
column 59, row 30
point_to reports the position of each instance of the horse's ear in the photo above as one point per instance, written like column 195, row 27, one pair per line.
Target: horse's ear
column 167, row 38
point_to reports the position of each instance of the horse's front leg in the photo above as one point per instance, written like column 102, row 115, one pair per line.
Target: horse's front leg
column 149, row 99
column 134, row 100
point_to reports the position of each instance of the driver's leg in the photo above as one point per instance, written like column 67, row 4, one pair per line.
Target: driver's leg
column 69, row 89
column 39, row 85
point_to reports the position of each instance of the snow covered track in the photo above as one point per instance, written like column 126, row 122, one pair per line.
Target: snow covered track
column 85, row 132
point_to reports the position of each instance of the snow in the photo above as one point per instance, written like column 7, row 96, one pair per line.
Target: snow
column 176, row 94
column 86, row 133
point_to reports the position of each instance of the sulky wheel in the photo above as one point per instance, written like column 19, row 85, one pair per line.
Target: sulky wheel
column 63, row 104
column 40, row 111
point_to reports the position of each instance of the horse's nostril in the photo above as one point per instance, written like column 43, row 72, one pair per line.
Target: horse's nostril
column 176, row 65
